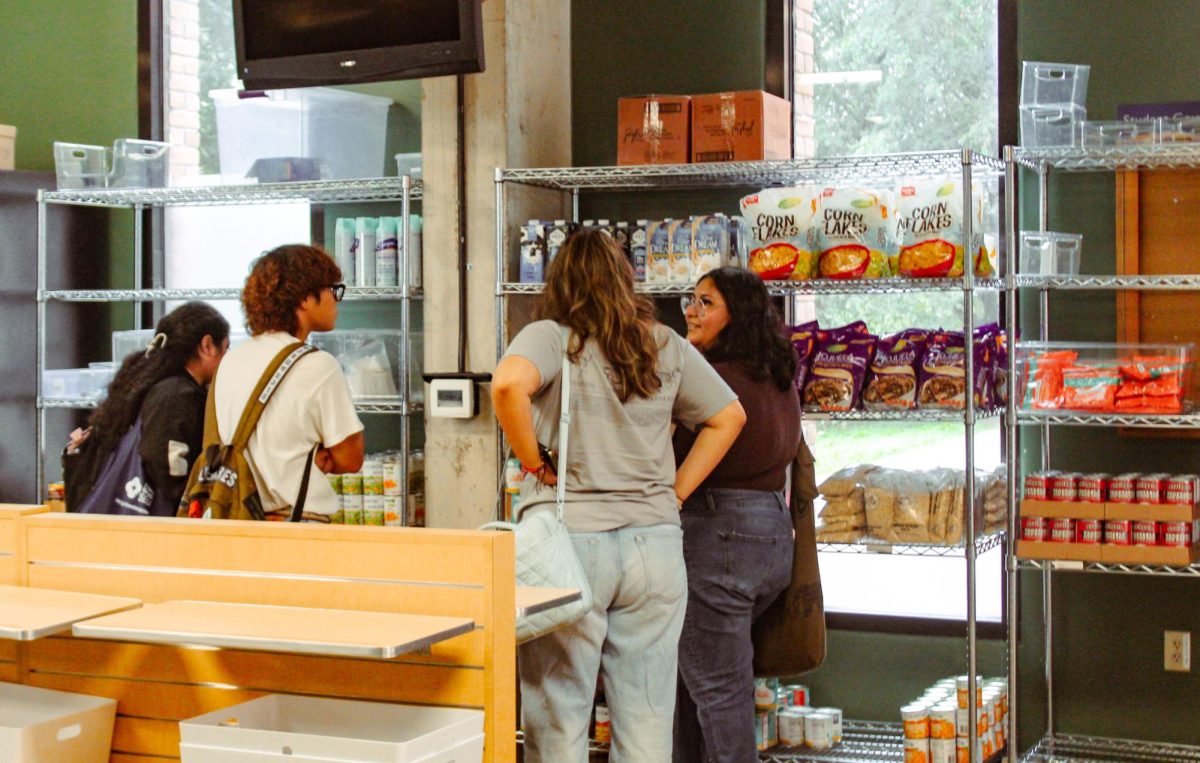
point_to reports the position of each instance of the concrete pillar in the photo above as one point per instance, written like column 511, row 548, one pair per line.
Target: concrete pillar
column 518, row 114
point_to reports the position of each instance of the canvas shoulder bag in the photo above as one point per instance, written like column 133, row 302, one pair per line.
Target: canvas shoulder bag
column 545, row 555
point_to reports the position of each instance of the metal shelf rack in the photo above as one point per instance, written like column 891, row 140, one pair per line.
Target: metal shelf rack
column 1058, row 747
column 983, row 544
column 394, row 189
column 566, row 185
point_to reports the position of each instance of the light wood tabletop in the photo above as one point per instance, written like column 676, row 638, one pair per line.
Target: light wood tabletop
column 302, row 630
column 531, row 600
column 31, row 613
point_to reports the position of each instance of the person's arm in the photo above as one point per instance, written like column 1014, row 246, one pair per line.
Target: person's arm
column 514, row 383
column 715, row 437
column 344, row 457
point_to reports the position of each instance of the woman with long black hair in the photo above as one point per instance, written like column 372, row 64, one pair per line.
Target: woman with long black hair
column 165, row 387
column 737, row 530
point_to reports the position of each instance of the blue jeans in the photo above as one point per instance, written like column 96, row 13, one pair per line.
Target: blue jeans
column 738, row 547
column 630, row 636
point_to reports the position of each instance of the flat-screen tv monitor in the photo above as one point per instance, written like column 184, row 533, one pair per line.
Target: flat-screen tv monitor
column 303, row 43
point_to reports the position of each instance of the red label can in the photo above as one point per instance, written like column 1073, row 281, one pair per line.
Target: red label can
column 1062, row 530
column 1037, row 485
column 1090, row 531
column 1118, row 532
column 1093, row 488
column 1183, row 489
column 1151, row 488
column 1176, row 534
column 1035, row 528
column 1123, row 488
column 1145, row 532
column 1064, row 486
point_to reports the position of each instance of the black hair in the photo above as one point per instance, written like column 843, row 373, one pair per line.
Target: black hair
column 176, row 340
column 754, row 335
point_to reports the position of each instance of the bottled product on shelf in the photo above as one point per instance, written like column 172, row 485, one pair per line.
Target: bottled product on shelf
column 368, row 249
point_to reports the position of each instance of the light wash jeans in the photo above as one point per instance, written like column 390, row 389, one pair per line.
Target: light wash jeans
column 631, row 636
column 738, row 546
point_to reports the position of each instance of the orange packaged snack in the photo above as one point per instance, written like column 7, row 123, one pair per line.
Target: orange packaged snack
column 1044, row 378
column 1090, row 389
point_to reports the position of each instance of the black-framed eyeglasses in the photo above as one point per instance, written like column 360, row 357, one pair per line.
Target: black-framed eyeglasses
column 339, row 291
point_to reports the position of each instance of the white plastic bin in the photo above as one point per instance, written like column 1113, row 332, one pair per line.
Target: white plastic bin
column 289, row 729
column 345, row 130
column 45, row 726
column 1045, row 83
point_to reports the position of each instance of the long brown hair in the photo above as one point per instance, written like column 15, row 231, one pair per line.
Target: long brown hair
column 589, row 288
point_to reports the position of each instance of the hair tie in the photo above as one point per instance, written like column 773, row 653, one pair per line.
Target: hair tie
column 158, row 342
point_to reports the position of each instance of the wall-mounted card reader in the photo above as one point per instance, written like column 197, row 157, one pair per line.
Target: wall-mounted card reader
column 454, row 395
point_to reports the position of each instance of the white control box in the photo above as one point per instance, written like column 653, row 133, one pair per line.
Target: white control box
column 455, row 398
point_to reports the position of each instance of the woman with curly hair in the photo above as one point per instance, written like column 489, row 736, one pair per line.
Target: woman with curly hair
column 163, row 386
column 737, row 531
column 630, row 377
column 292, row 291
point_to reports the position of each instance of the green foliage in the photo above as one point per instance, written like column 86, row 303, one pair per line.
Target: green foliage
column 217, row 70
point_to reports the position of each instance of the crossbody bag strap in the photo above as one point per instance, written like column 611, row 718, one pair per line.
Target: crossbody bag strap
column 564, row 424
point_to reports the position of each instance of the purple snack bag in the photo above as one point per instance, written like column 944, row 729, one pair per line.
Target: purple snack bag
column 942, row 382
column 892, row 381
column 804, row 340
column 838, row 370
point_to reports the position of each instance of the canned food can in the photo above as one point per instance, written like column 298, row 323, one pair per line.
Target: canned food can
column 1175, row 534
column 962, row 750
column 603, row 732
column 56, row 491
column 1093, row 488
column 373, row 510
column 1118, row 532
column 818, row 731
column 962, row 721
column 416, row 509
column 916, row 721
column 1064, row 486
column 962, row 688
column 1062, row 530
column 391, row 511
column 1123, row 488
column 372, row 472
column 1183, row 489
column 1151, row 488
column 791, row 727
column 1089, row 531
column 1035, row 528
column 942, row 721
column 1037, row 485
column 766, row 693
column 942, row 750
column 352, row 484
column 797, row 695
column 836, row 714
column 916, row 750
column 391, row 476
column 335, row 483
column 1145, row 532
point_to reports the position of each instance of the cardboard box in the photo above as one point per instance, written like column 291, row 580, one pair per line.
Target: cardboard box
column 743, row 126
column 1074, row 552
column 1037, row 507
column 8, row 147
column 1172, row 556
column 1159, row 512
column 654, row 129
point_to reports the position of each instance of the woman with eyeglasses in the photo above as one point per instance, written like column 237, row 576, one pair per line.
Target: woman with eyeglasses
column 737, row 530
column 630, row 377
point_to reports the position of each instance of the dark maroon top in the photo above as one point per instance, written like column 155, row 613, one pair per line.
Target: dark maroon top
column 767, row 444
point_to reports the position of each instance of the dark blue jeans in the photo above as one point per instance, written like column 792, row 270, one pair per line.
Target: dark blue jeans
column 738, row 548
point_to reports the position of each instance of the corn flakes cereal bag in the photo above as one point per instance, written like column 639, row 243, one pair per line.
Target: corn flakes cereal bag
column 929, row 221
column 856, row 233
column 782, row 234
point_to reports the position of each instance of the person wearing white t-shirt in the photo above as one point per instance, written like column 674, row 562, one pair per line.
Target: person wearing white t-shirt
column 292, row 291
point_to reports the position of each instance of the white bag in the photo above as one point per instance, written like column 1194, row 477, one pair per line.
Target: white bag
column 545, row 555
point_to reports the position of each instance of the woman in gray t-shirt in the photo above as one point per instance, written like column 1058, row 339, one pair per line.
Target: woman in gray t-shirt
column 631, row 378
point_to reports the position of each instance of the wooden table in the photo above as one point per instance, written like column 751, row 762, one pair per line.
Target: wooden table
column 531, row 600
column 302, row 630
column 31, row 613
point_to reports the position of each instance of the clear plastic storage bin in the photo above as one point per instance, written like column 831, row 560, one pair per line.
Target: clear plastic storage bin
column 345, row 130
column 1050, row 254
column 1046, row 83
column 1179, row 130
column 1095, row 377
column 1095, row 134
column 139, row 164
column 125, row 342
column 46, row 726
column 370, row 358
column 409, row 164
column 1051, row 126
column 281, row 727
column 80, row 166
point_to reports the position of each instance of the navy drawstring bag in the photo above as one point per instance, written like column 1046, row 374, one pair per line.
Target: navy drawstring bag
column 122, row 487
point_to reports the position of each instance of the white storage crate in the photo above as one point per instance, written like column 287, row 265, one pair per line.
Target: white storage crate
column 290, row 729
column 45, row 726
column 345, row 130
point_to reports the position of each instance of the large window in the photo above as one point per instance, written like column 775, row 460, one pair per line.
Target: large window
column 887, row 76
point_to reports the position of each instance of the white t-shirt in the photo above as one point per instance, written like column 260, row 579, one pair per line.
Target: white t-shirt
column 311, row 405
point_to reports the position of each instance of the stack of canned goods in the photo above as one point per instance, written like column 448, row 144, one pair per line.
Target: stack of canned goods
column 372, row 496
column 936, row 726
column 784, row 715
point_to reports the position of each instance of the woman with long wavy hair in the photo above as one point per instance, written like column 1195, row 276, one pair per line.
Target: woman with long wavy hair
column 165, row 387
column 631, row 377
column 737, row 530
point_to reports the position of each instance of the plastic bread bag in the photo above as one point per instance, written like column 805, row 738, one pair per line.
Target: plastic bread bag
column 857, row 233
column 838, row 536
column 955, row 520
column 783, row 236
column 844, row 481
column 368, row 370
column 913, row 508
column 892, row 380
column 836, row 373
column 879, row 494
column 847, row 509
column 942, row 485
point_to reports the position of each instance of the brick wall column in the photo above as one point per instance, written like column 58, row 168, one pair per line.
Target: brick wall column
column 183, row 86
column 802, row 63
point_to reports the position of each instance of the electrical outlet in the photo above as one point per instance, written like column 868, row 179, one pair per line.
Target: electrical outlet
column 1177, row 651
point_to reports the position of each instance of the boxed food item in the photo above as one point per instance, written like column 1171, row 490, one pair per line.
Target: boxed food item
column 743, row 126
column 45, row 726
column 654, row 129
column 8, row 147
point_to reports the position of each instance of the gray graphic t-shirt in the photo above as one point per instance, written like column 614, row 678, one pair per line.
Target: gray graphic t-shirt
column 621, row 469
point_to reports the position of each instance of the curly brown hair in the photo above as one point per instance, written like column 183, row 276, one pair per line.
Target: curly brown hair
column 280, row 280
column 589, row 287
